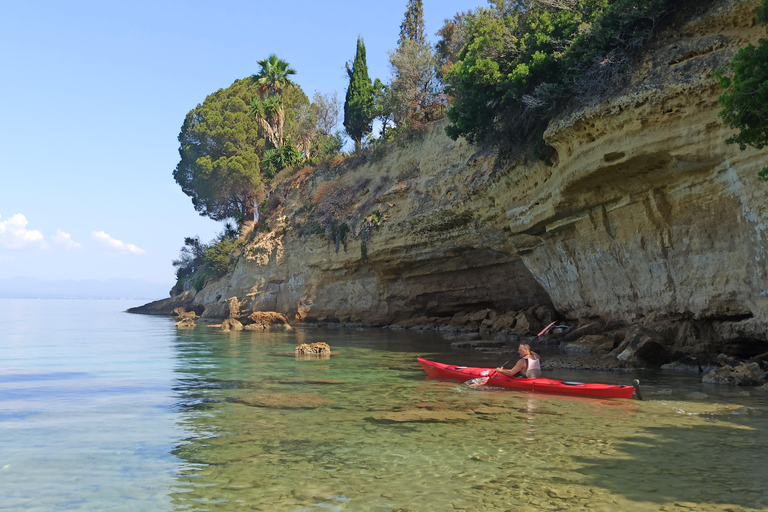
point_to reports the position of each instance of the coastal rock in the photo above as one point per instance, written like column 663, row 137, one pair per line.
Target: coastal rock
column 183, row 314
column 478, row 343
column 590, row 344
column 526, row 323
column 185, row 300
column 642, row 347
column 313, row 349
column 234, row 307
column 267, row 321
column 185, row 323
column 505, row 321
column 586, row 329
column 230, row 324
column 686, row 364
column 740, row 375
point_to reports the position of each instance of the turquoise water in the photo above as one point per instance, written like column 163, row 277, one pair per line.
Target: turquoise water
column 102, row 410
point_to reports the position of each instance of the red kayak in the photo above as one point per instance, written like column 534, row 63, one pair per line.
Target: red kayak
column 489, row 377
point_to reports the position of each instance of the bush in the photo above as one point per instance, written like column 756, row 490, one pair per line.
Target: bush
column 745, row 102
column 219, row 254
column 525, row 59
column 190, row 257
column 199, row 281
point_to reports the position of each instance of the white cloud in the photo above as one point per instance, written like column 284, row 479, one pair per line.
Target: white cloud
column 14, row 233
column 111, row 243
column 65, row 240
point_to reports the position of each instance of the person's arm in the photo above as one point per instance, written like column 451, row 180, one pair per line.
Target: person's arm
column 520, row 366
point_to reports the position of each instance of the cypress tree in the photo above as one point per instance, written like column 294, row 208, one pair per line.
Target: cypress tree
column 412, row 28
column 359, row 109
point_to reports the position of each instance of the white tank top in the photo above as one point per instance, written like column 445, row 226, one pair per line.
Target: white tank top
column 533, row 363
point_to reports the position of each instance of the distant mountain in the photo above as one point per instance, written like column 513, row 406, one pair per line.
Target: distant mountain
column 32, row 288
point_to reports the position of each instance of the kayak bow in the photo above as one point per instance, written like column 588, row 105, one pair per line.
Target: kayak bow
column 464, row 373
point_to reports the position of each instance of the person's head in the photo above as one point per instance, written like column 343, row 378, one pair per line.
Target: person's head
column 524, row 349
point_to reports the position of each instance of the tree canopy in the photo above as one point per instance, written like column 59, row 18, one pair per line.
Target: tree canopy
column 745, row 102
column 412, row 28
column 220, row 149
column 524, row 59
column 416, row 89
column 273, row 75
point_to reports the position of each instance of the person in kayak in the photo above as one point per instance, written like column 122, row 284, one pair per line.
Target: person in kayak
column 529, row 364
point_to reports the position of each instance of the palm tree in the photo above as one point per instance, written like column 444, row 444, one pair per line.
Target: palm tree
column 270, row 116
column 273, row 75
column 268, row 110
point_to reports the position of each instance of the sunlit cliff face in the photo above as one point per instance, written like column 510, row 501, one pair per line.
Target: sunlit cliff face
column 643, row 210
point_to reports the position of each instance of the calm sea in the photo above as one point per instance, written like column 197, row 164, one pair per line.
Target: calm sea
column 103, row 410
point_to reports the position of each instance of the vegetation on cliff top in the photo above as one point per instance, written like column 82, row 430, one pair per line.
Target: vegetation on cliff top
column 522, row 61
column 745, row 102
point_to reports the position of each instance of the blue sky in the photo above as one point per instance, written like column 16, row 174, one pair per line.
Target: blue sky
column 93, row 95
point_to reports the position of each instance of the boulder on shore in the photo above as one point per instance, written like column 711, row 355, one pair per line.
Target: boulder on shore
column 642, row 347
column 740, row 375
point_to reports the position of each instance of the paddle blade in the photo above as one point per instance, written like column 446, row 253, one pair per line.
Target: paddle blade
column 480, row 381
column 546, row 329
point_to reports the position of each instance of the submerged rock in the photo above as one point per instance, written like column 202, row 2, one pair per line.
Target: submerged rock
column 740, row 375
column 285, row 400
column 685, row 364
column 420, row 415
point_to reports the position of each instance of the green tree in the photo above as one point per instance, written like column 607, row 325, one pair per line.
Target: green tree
column 219, row 256
column 416, row 91
column 269, row 109
column 384, row 107
column 220, row 151
column 745, row 102
column 412, row 28
column 190, row 257
column 359, row 108
column 273, row 75
column 523, row 60
column 452, row 38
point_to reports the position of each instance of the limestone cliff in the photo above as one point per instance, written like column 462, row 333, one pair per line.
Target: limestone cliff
column 644, row 215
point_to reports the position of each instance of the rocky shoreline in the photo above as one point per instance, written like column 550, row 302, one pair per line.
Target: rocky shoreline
column 585, row 344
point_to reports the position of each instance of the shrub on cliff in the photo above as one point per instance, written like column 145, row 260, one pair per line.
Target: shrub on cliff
column 523, row 60
column 745, row 102
column 190, row 257
column 219, row 256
